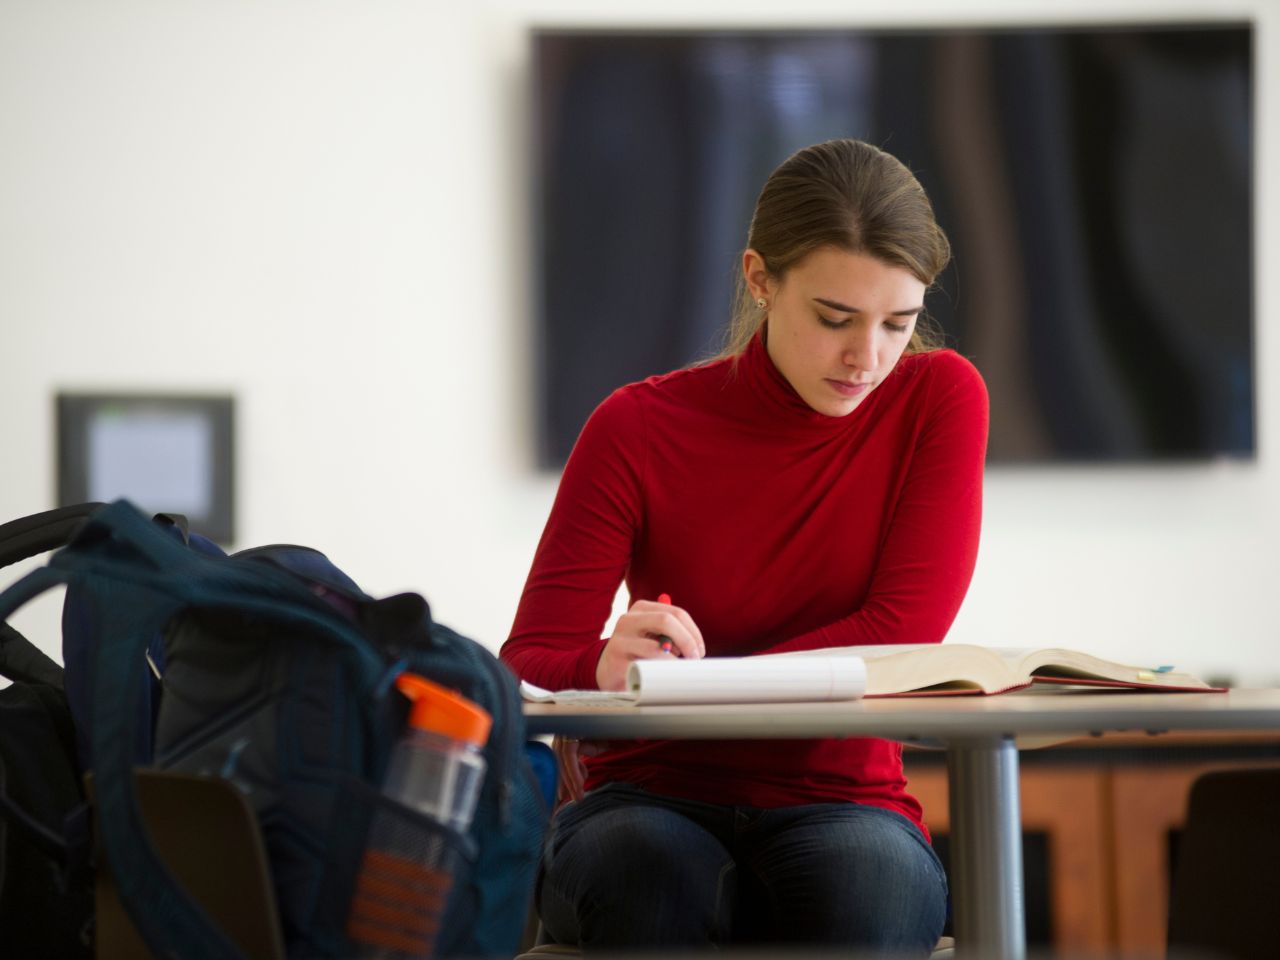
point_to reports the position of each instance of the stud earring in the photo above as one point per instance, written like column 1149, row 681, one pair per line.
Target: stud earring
column 762, row 303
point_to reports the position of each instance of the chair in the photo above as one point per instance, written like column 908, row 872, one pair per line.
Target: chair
column 205, row 831
column 1226, row 884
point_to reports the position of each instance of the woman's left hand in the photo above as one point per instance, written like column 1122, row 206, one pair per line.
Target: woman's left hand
column 573, row 772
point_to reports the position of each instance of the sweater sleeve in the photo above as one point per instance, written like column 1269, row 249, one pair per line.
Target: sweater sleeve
column 928, row 555
column 584, row 552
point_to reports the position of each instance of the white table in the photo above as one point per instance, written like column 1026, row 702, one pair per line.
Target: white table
column 982, row 736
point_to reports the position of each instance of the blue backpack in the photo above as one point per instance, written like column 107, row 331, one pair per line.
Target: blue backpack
column 277, row 674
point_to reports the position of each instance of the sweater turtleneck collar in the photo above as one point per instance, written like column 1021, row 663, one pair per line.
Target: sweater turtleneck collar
column 776, row 396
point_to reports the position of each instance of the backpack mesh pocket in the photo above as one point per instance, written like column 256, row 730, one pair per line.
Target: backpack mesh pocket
column 410, row 866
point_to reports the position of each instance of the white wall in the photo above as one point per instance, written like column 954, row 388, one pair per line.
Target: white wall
column 320, row 206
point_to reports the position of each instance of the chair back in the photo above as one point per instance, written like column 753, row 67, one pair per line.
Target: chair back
column 1226, row 882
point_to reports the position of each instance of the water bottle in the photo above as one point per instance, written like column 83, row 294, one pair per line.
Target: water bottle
column 436, row 769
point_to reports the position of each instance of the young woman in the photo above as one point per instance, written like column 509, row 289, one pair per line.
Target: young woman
column 819, row 484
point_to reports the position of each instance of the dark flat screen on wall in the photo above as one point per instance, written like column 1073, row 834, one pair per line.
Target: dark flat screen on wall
column 1096, row 185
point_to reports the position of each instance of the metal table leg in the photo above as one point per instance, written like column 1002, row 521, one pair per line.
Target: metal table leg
column 986, row 849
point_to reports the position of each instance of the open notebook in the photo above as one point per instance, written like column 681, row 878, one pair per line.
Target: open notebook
column 724, row 680
column 848, row 673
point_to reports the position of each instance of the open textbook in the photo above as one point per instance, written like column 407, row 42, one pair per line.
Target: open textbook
column 847, row 673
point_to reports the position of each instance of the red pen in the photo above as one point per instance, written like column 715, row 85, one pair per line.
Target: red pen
column 664, row 641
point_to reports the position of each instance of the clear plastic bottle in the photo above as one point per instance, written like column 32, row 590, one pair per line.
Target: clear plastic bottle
column 436, row 769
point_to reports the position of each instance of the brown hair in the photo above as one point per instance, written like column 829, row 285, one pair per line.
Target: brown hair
column 846, row 194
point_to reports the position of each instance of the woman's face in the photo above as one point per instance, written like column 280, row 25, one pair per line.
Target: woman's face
column 837, row 323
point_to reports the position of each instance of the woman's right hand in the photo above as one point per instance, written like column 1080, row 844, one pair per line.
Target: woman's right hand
column 638, row 636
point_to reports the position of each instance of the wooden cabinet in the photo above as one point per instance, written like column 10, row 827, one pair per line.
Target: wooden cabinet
column 1108, row 807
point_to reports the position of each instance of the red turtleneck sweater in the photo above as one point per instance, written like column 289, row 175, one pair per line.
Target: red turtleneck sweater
column 777, row 528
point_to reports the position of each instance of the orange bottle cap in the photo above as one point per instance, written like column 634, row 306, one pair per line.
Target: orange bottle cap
column 444, row 711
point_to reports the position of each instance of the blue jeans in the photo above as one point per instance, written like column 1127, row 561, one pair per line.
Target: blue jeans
column 629, row 869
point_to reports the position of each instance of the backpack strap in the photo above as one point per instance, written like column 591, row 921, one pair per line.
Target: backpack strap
column 168, row 920
column 29, row 536
column 28, row 588
column 23, row 661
